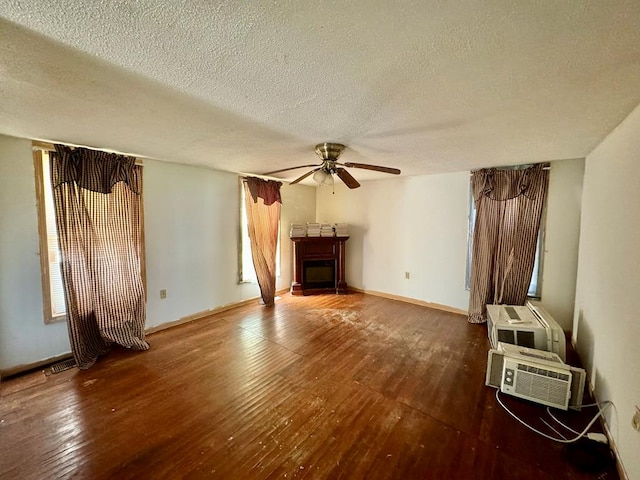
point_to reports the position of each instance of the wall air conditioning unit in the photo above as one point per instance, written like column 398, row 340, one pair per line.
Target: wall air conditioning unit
column 528, row 326
column 535, row 375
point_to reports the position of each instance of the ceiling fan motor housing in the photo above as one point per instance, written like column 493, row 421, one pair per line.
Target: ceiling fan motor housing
column 329, row 151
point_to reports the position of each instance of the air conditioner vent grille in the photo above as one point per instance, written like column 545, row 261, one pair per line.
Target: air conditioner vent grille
column 540, row 386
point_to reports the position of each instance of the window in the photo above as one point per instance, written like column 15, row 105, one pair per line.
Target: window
column 52, row 286
column 53, row 295
column 535, row 287
column 247, row 270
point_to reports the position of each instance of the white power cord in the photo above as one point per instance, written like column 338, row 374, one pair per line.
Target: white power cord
column 598, row 437
column 559, row 422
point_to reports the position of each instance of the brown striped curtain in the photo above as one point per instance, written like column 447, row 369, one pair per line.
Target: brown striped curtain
column 97, row 199
column 509, row 207
column 262, row 201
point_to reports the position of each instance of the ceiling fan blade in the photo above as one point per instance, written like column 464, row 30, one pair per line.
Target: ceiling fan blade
column 290, row 168
column 394, row 171
column 299, row 179
column 347, row 178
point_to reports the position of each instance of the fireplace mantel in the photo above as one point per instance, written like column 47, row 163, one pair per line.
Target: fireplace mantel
column 307, row 250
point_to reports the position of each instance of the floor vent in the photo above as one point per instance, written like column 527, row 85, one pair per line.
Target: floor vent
column 62, row 366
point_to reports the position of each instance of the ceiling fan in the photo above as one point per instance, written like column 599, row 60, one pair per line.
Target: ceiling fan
column 323, row 173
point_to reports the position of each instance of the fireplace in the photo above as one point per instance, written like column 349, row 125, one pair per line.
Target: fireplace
column 318, row 274
column 318, row 265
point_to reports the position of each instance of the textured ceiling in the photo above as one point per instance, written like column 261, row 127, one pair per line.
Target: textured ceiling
column 426, row 86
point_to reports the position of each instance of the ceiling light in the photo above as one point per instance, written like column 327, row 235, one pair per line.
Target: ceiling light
column 328, row 180
column 320, row 177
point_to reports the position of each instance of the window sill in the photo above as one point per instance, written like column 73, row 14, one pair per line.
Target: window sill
column 58, row 319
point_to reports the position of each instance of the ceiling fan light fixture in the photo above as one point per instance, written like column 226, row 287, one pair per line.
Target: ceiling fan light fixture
column 320, row 176
column 323, row 177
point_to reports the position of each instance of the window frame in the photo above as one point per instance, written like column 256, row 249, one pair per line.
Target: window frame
column 43, row 233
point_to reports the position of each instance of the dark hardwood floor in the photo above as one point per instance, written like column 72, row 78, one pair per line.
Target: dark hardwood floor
column 351, row 387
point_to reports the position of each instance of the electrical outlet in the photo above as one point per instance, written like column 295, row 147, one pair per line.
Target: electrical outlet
column 407, row 275
column 163, row 293
column 635, row 421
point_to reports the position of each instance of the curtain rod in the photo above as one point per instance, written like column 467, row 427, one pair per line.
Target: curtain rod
column 49, row 147
column 498, row 168
column 242, row 175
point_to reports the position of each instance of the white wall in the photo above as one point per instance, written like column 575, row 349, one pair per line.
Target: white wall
column 192, row 224
column 24, row 338
column 298, row 206
column 413, row 224
column 606, row 320
column 420, row 225
column 562, row 234
column 191, row 235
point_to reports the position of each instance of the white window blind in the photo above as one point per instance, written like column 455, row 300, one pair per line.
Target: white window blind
column 56, row 287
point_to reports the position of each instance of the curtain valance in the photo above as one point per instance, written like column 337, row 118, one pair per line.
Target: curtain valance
column 267, row 190
column 94, row 170
column 505, row 184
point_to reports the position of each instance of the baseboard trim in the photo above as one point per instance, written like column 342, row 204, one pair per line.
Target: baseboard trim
column 622, row 473
column 414, row 301
column 206, row 313
column 19, row 369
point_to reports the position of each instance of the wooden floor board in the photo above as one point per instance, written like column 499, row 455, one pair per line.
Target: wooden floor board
column 350, row 387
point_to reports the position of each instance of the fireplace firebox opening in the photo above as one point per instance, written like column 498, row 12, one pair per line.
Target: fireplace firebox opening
column 319, row 274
